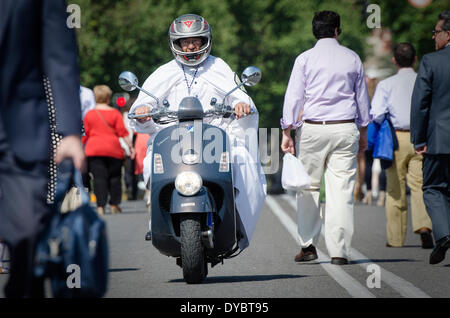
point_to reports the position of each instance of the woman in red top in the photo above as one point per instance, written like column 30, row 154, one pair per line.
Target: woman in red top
column 103, row 126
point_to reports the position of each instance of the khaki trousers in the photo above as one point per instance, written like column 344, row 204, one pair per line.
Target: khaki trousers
column 406, row 169
column 328, row 150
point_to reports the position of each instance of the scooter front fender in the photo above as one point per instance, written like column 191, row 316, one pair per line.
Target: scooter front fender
column 166, row 222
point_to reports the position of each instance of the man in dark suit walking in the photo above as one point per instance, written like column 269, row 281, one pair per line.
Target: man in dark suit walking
column 34, row 42
column 430, row 133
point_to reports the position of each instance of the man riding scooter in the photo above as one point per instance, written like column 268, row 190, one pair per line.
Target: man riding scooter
column 194, row 72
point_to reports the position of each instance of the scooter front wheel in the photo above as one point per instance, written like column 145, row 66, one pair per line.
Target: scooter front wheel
column 192, row 250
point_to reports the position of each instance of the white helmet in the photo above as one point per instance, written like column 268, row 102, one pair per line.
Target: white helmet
column 188, row 26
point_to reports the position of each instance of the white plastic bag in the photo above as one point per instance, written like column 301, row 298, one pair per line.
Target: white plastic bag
column 125, row 147
column 293, row 175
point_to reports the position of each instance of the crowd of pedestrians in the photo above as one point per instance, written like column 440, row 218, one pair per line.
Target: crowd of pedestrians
column 114, row 151
column 328, row 88
column 103, row 129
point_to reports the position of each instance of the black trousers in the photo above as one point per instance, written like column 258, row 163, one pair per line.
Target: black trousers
column 131, row 180
column 107, row 174
column 24, row 214
column 368, row 173
column 436, row 192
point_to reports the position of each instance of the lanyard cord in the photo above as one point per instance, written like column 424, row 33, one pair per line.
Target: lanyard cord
column 193, row 78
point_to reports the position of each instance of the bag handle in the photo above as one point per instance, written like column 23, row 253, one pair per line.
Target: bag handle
column 68, row 176
column 78, row 179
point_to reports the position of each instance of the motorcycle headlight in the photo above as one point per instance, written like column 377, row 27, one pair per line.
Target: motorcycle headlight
column 188, row 183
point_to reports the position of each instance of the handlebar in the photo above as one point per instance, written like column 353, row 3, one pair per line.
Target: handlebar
column 153, row 114
column 162, row 115
column 224, row 111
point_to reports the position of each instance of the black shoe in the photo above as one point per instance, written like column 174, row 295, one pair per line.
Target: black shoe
column 148, row 236
column 339, row 261
column 306, row 254
column 438, row 254
column 427, row 240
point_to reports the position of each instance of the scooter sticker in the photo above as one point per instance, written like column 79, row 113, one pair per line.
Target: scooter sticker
column 190, row 128
column 187, row 204
column 162, row 141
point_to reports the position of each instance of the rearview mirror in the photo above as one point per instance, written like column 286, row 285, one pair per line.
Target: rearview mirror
column 128, row 81
column 251, row 76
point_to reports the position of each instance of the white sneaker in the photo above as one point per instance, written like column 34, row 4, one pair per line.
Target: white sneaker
column 381, row 198
column 367, row 198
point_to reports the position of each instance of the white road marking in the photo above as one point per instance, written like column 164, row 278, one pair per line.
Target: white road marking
column 351, row 285
column 400, row 285
column 403, row 287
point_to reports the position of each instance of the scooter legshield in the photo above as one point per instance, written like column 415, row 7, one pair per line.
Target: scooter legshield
column 216, row 196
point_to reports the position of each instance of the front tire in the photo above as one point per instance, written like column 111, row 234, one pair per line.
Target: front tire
column 192, row 250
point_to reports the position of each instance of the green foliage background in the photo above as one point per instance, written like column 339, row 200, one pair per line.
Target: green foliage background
column 410, row 24
column 132, row 35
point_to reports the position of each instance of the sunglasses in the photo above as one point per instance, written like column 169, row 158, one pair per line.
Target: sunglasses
column 437, row 31
column 185, row 42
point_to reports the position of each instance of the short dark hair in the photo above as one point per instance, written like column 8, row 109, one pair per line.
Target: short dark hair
column 404, row 54
column 324, row 23
column 445, row 15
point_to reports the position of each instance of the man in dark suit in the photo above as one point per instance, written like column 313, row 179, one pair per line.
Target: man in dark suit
column 430, row 133
column 34, row 42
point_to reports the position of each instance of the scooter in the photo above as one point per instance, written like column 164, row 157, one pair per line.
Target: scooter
column 192, row 194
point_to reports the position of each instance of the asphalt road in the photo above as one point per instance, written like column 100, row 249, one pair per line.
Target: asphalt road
column 267, row 269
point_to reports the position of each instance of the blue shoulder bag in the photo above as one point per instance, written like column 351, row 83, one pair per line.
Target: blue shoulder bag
column 73, row 251
column 372, row 132
column 385, row 144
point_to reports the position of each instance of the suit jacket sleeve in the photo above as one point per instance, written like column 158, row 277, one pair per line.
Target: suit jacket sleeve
column 60, row 65
column 421, row 102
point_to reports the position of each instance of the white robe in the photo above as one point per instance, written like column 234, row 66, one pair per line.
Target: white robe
column 214, row 78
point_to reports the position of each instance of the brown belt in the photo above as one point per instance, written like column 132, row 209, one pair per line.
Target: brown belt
column 404, row 130
column 329, row 122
